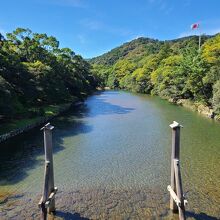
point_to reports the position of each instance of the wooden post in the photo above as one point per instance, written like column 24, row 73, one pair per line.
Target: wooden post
column 174, row 155
column 179, row 189
column 174, row 196
column 49, row 157
column 45, row 191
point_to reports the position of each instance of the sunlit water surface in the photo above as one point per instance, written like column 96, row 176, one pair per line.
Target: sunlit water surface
column 112, row 161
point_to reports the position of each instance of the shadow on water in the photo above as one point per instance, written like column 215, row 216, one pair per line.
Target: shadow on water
column 101, row 106
column 69, row 216
column 19, row 155
column 200, row 216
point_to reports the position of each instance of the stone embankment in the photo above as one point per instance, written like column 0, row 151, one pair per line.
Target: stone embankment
column 202, row 109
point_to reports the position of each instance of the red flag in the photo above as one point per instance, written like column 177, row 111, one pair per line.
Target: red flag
column 195, row 26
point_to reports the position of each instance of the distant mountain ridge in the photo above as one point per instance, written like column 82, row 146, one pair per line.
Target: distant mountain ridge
column 140, row 47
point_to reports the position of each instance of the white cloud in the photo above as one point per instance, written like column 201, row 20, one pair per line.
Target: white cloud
column 82, row 38
column 212, row 31
column 168, row 10
column 118, row 31
column 151, row 1
column 185, row 34
column 71, row 3
column 161, row 5
column 92, row 24
column 138, row 36
column 96, row 25
column 187, row 3
column 134, row 37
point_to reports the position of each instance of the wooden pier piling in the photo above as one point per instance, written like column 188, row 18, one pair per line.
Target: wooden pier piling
column 45, row 191
column 177, row 202
column 179, row 189
column 47, row 201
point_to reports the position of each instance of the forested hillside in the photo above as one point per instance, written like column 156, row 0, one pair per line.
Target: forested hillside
column 174, row 69
column 35, row 72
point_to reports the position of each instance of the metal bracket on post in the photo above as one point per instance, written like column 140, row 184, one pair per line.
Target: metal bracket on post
column 48, row 199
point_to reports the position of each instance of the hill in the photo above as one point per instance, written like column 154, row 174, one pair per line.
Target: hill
column 140, row 47
column 174, row 69
column 134, row 49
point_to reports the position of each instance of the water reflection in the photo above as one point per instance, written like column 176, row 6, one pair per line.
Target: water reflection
column 103, row 106
column 17, row 157
column 21, row 154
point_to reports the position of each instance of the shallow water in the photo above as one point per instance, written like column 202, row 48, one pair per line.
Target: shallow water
column 112, row 161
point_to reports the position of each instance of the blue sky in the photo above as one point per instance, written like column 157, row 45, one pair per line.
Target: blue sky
column 91, row 28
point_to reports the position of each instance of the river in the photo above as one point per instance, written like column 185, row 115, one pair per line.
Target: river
column 112, row 161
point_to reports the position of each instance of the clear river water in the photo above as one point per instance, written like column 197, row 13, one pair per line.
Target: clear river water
column 112, row 161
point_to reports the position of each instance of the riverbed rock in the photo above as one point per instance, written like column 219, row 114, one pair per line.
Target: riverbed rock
column 205, row 110
column 187, row 103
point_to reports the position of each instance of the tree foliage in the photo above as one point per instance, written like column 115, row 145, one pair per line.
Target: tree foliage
column 171, row 69
column 35, row 72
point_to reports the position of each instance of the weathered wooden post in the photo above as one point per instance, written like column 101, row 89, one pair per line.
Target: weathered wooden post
column 45, row 191
column 49, row 191
column 177, row 203
column 179, row 189
column 48, row 148
column 175, row 154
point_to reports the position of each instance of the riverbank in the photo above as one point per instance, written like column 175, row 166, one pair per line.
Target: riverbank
column 25, row 125
column 196, row 106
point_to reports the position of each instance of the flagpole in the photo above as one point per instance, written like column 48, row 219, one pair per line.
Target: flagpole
column 199, row 39
column 197, row 27
column 199, row 42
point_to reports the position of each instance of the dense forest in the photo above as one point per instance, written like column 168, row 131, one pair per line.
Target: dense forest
column 174, row 69
column 35, row 72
